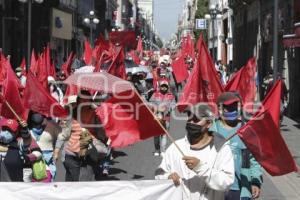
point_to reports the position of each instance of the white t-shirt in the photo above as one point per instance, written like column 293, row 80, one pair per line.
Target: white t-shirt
column 210, row 179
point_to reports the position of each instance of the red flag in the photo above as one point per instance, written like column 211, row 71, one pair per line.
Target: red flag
column 104, row 44
column 179, row 69
column 139, row 47
column 38, row 99
column 127, row 120
column 87, row 57
column 188, row 47
column 11, row 94
column 272, row 102
column 42, row 71
column 23, row 66
column 203, row 84
column 244, row 82
column 33, row 62
column 134, row 57
column 105, row 59
column 117, row 67
column 49, row 65
column 123, row 38
column 2, row 68
column 119, row 127
column 70, row 91
column 66, row 67
column 262, row 137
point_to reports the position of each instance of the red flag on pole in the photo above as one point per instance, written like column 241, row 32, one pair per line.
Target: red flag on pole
column 179, row 69
column 42, row 71
column 244, row 82
column 37, row 99
column 272, row 102
column 119, row 126
column 33, row 62
column 66, row 67
column 104, row 44
column 2, row 68
column 11, row 94
column 134, row 57
column 87, row 57
column 139, row 47
column 127, row 120
column 23, row 66
column 123, row 38
column 203, row 84
column 117, row 67
column 188, row 47
column 262, row 137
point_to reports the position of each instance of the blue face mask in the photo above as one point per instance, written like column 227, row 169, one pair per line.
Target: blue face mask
column 6, row 136
column 37, row 131
column 231, row 115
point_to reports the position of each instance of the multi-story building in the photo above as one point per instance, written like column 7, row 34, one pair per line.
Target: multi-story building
column 186, row 23
column 253, row 36
column 125, row 14
column 220, row 38
column 146, row 12
column 57, row 22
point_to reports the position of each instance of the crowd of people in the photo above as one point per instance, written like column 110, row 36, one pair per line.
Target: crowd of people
column 211, row 167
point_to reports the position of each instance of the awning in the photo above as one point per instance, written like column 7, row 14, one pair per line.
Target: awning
column 291, row 41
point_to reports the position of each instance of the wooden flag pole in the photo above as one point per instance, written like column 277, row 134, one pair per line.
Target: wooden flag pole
column 11, row 109
column 168, row 134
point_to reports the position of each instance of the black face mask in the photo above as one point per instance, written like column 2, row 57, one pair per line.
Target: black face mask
column 194, row 132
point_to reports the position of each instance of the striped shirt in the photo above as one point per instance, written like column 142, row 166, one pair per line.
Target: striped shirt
column 73, row 142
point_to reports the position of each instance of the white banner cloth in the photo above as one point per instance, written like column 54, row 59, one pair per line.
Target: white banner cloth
column 104, row 190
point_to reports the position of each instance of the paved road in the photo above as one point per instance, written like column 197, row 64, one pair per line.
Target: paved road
column 138, row 163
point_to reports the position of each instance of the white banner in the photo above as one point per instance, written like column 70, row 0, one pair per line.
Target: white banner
column 104, row 190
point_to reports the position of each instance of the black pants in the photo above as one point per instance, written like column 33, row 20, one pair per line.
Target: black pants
column 81, row 169
column 233, row 195
column 72, row 165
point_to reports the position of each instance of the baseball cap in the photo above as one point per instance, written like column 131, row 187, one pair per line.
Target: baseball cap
column 9, row 123
column 228, row 98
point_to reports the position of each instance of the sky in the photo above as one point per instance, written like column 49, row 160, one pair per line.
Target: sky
column 166, row 14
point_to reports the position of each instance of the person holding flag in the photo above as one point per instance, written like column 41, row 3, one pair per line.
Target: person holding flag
column 248, row 172
column 206, row 170
column 162, row 101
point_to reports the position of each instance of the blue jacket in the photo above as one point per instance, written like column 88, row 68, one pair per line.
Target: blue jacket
column 247, row 170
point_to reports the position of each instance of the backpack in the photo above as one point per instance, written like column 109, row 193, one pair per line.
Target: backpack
column 84, row 141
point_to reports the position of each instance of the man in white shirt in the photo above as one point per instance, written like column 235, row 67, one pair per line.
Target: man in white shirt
column 206, row 170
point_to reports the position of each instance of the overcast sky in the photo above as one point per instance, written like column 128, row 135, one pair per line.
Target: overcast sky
column 166, row 13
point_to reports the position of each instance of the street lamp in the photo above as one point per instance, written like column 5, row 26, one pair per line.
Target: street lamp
column 3, row 29
column 29, row 2
column 214, row 14
column 90, row 20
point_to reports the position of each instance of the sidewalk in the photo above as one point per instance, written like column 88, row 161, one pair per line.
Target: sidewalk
column 285, row 187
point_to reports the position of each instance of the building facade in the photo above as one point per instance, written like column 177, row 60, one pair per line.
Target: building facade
column 253, row 36
column 220, row 37
column 57, row 22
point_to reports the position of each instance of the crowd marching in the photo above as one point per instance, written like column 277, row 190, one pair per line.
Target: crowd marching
column 211, row 161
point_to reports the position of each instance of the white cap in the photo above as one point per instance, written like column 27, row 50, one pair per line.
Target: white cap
column 51, row 79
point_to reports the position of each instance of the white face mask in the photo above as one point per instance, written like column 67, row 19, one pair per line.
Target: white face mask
column 19, row 74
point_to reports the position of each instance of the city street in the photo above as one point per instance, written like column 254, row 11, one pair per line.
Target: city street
column 138, row 163
column 136, row 68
